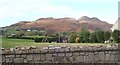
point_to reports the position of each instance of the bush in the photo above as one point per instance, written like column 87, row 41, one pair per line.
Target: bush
column 81, row 37
column 93, row 38
column 107, row 35
column 41, row 40
column 84, row 35
column 37, row 38
column 72, row 37
column 77, row 40
column 116, row 36
column 100, row 36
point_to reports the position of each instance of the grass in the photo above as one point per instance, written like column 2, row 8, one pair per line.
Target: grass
column 11, row 43
column 7, row 43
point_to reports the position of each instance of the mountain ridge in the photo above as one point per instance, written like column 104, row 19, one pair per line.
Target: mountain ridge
column 65, row 24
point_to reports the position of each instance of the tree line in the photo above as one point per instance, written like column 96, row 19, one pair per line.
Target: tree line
column 84, row 36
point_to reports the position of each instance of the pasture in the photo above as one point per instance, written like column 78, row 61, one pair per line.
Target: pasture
column 11, row 43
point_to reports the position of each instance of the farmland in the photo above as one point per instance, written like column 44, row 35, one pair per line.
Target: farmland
column 11, row 43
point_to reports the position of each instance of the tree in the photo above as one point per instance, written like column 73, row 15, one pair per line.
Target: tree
column 116, row 36
column 107, row 35
column 93, row 37
column 100, row 36
column 84, row 35
column 72, row 37
column 81, row 37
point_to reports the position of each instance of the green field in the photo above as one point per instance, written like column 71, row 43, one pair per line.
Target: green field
column 8, row 43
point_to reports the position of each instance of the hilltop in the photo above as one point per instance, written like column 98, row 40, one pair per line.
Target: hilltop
column 65, row 24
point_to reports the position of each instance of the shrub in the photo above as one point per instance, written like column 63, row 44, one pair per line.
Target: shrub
column 77, row 40
column 107, row 35
column 93, row 38
column 116, row 36
column 72, row 37
column 100, row 36
column 81, row 37
column 84, row 35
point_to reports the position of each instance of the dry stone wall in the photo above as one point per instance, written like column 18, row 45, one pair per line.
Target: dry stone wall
column 52, row 54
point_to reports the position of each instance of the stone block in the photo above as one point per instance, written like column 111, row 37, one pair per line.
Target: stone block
column 29, row 57
column 76, row 54
column 82, row 53
column 77, row 49
column 9, row 60
column 80, row 59
column 73, row 59
column 36, row 57
column 9, row 56
column 114, row 52
column 18, row 51
column 112, row 57
column 69, row 54
column 54, row 55
column 86, row 59
column 96, row 58
column 72, row 49
column 44, row 50
column 96, row 53
column 18, row 60
column 116, row 58
column 61, row 54
column 7, row 51
column 67, row 60
column 42, row 57
column 51, row 50
column 17, row 56
column 31, row 51
column 62, row 50
column 57, row 50
column 101, row 56
column 107, row 57
column 36, row 51
column 48, row 57
column 3, row 59
column 67, row 49
column 25, row 61
column 91, row 57
column 25, row 51
column 59, row 59
column 24, row 56
column 86, row 53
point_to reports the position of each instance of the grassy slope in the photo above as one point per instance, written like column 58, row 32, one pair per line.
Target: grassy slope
column 8, row 43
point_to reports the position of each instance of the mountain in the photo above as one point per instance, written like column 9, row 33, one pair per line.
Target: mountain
column 63, row 24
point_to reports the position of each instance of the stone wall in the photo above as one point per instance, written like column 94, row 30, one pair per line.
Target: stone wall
column 51, row 54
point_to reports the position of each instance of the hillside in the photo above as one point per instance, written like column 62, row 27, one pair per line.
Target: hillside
column 62, row 24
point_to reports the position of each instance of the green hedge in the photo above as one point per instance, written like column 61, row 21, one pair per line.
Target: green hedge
column 36, row 38
column 40, row 40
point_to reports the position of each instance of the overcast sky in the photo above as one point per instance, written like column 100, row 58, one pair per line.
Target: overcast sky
column 13, row 11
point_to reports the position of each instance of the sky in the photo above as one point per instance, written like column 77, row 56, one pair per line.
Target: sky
column 13, row 11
